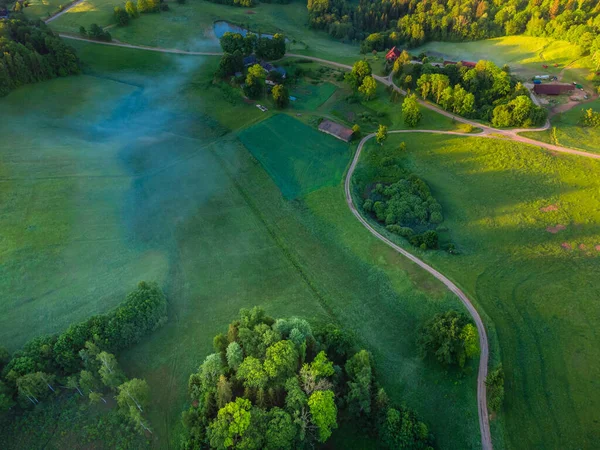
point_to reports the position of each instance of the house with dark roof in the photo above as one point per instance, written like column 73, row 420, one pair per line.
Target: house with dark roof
column 336, row 130
column 4, row 13
column 267, row 66
column 250, row 60
column 393, row 54
column 553, row 88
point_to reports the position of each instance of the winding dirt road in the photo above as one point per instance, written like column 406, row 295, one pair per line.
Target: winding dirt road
column 487, row 132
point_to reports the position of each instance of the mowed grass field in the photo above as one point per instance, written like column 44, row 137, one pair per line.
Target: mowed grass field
column 299, row 158
column 569, row 133
column 172, row 194
column 524, row 54
column 190, row 26
column 527, row 226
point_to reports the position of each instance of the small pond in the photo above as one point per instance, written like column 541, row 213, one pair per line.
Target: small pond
column 221, row 27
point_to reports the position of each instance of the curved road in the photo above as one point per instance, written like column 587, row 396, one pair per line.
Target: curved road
column 484, row 423
column 487, row 132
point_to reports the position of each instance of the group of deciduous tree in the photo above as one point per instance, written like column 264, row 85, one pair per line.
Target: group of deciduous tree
column 401, row 22
column 590, row 118
column 408, row 209
column 279, row 384
column 30, row 52
column 483, row 92
column 82, row 358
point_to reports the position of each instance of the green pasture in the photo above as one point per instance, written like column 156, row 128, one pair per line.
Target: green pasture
column 190, row 26
column 41, row 9
column 311, row 96
column 568, row 131
column 137, row 175
column 524, row 54
column 299, row 158
column 535, row 281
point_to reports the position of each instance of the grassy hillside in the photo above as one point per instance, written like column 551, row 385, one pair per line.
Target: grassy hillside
column 568, row 132
column 527, row 226
column 190, row 26
column 525, row 54
column 138, row 174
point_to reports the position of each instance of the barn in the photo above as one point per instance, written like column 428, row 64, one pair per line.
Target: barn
column 393, row 54
column 553, row 88
column 336, row 130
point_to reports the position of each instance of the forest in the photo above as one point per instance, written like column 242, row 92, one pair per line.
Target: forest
column 82, row 360
column 411, row 23
column 282, row 384
column 31, row 52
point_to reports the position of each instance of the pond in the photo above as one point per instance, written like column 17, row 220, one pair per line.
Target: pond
column 221, row 27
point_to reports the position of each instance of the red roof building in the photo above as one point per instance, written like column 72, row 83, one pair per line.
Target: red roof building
column 393, row 54
column 469, row 64
column 336, row 130
column 553, row 88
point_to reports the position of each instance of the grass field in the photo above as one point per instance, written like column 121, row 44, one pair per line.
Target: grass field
column 41, row 9
column 190, row 26
column 524, row 54
column 299, row 158
column 311, row 96
column 127, row 177
column 569, row 133
column 539, row 288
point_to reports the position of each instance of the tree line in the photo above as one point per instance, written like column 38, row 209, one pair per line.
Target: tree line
column 82, row 358
column 412, row 23
column 485, row 91
column 280, row 384
column 31, row 52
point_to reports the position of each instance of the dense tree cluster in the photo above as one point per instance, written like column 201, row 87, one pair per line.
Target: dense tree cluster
column 278, row 384
column 485, row 92
column 407, row 208
column 411, row 112
column 590, row 118
column 83, row 354
column 264, row 47
column 411, row 23
column 95, row 32
column 450, row 337
column 30, row 52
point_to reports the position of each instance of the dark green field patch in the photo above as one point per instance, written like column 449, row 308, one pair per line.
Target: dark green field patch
column 311, row 96
column 298, row 158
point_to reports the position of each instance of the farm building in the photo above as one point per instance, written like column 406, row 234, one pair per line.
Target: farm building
column 469, row 64
column 249, row 60
column 552, row 88
column 336, row 130
column 393, row 54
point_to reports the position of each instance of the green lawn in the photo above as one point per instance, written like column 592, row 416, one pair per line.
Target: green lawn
column 311, row 96
column 568, row 131
column 131, row 175
column 524, row 54
column 190, row 26
column 538, row 288
column 41, row 9
column 299, row 158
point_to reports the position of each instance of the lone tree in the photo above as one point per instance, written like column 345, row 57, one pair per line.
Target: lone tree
column 381, row 134
column 281, row 96
column 411, row 111
column 451, row 337
column 356, row 76
column 368, row 87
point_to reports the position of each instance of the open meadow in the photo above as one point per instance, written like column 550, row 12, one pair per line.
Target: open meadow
column 568, row 130
column 524, row 54
column 526, row 224
column 190, row 26
column 145, row 176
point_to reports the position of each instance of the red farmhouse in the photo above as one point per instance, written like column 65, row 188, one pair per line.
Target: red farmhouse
column 393, row 54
